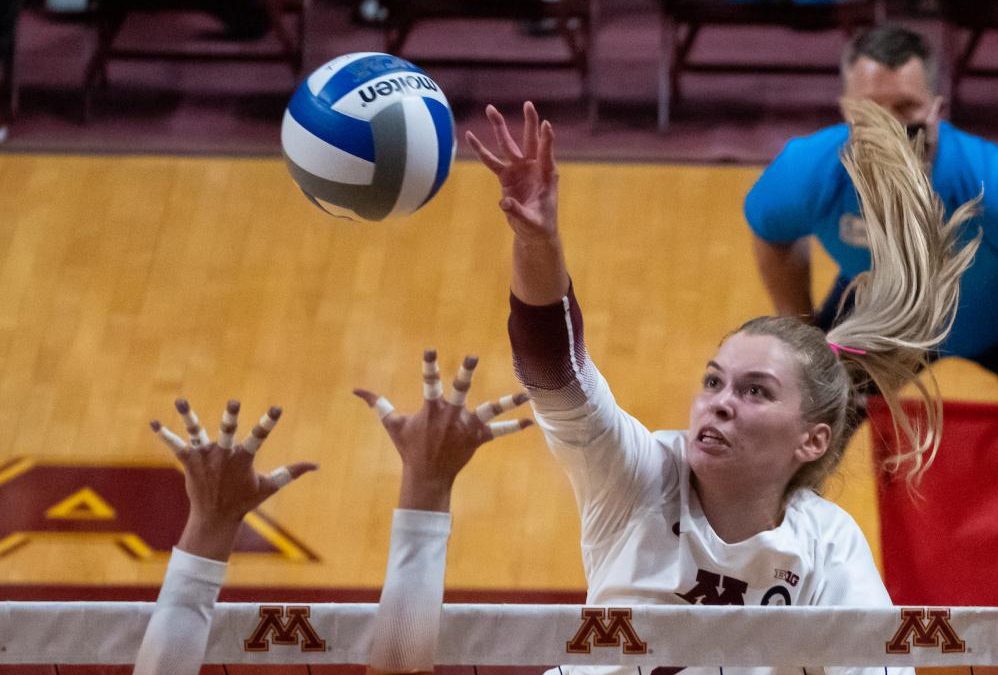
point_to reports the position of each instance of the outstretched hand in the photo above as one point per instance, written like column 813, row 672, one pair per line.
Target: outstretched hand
column 439, row 440
column 220, row 479
column 527, row 173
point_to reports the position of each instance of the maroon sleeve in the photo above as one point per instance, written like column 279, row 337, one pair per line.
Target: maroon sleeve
column 548, row 347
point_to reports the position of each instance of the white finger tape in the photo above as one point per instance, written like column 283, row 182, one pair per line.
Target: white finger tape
column 251, row 444
column 383, row 407
column 504, row 428
column 175, row 442
column 281, row 476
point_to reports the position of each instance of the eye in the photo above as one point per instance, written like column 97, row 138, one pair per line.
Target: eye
column 711, row 381
column 757, row 391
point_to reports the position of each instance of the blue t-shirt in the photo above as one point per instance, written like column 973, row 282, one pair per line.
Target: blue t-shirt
column 806, row 191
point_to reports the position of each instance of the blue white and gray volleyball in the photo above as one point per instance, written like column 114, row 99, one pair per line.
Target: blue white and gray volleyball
column 369, row 136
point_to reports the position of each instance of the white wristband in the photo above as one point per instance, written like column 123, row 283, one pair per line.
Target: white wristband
column 408, row 620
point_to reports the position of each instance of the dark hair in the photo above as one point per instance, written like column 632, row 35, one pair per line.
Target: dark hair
column 892, row 46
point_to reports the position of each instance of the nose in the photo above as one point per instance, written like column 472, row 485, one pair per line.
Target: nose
column 722, row 406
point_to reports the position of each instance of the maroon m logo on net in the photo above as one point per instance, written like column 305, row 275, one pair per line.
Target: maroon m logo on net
column 606, row 627
column 274, row 629
column 925, row 629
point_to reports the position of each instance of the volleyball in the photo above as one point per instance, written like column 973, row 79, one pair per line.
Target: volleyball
column 368, row 136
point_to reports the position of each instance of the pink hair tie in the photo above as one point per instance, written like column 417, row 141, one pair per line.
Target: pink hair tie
column 838, row 349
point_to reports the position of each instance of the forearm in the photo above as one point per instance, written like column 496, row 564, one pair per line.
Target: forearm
column 786, row 273
column 540, row 275
column 177, row 634
column 571, row 400
column 407, row 624
column 549, row 349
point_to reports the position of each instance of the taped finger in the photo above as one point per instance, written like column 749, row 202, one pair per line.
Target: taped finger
column 261, row 430
column 433, row 388
column 383, row 407
column 462, row 381
column 498, row 429
column 172, row 440
column 227, row 428
column 199, row 437
column 281, row 476
column 490, row 409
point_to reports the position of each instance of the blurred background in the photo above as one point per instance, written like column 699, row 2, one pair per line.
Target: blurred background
column 89, row 76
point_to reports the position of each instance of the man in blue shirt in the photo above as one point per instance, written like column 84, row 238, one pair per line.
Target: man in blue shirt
column 806, row 191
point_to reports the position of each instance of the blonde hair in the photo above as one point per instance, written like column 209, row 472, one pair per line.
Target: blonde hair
column 904, row 305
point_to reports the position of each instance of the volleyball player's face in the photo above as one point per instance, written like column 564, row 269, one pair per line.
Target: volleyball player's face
column 745, row 423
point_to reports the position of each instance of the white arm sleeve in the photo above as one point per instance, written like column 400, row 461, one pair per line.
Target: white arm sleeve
column 615, row 464
column 177, row 634
column 408, row 620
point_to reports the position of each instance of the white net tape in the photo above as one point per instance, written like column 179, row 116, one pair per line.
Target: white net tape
column 490, row 635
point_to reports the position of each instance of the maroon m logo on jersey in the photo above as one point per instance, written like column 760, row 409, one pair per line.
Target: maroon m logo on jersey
column 706, row 591
column 925, row 629
column 297, row 630
column 602, row 627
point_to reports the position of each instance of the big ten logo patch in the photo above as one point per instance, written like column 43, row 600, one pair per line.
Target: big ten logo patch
column 786, row 575
column 287, row 626
column 140, row 507
column 606, row 627
column 925, row 628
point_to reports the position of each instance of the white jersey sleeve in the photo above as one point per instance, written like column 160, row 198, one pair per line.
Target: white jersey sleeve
column 615, row 464
column 177, row 634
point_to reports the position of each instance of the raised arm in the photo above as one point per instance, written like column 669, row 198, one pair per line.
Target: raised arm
column 223, row 487
column 435, row 444
column 528, row 179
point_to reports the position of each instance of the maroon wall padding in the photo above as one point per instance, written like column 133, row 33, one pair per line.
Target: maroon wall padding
column 939, row 547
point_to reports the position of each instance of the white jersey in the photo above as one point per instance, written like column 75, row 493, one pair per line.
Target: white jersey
column 645, row 538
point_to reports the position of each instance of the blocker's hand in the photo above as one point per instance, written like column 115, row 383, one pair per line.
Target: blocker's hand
column 439, row 440
column 527, row 173
column 221, row 483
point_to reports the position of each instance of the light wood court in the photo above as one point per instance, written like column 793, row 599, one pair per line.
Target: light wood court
column 129, row 281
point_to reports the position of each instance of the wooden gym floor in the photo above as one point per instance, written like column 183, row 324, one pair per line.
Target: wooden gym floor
column 130, row 281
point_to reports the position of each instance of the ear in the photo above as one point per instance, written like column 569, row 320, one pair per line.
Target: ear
column 815, row 443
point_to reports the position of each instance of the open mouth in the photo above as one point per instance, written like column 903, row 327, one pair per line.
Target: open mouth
column 711, row 436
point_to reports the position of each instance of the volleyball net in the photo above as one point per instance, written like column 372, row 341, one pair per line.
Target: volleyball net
column 109, row 633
